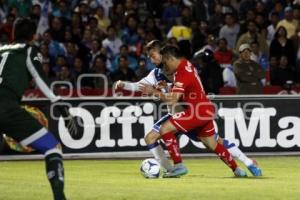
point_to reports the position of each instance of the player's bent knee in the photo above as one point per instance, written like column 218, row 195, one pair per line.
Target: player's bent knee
column 56, row 150
column 151, row 137
column 220, row 140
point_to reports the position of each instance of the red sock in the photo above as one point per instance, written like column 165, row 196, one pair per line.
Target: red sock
column 225, row 156
column 172, row 146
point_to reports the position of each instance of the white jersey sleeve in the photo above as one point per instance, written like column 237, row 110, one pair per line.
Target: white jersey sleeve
column 150, row 79
column 35, row 69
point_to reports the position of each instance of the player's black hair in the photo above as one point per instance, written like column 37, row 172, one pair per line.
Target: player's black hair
column 153, row 45
column 24, row 30
column 170, row 50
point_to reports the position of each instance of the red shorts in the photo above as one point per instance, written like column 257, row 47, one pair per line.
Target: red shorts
column 200, row 123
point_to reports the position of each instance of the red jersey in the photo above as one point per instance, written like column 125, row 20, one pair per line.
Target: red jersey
column 187, row 81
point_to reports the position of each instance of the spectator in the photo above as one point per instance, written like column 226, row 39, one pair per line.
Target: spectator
column 112, row 43
column 278, row 7
column 47, row 71
column 216, row 20
column 97, row 32
column 78, row 67
column 223, row 55
column 42, row 4
column 230, row 30
column 186, row 16
column 130, row 36
column 83, row 10
column 65, row 75
column 57, row 29
column 198, row 38
column 183, row 35
column 103, row 21
column 142, row 71
column 171, row 13
column 260, row 9
column 142, row 37
column 211, row 43
column 283, row 73
column 35, row 13
column 63, row 11
column 99, row 67
column 260, row 21
column 259, row 56
column 245, row 6
column 44, row 49
column 274, row 19
column 229, row 78
column 95, row 51
column 76, row 20
column 132, row 62
column 106, row 5
column 117, row 12
column 7, row 28
column 289, row 23
column 210, row 72
column 281, row 46
column 3, row 11
column 250, row 16
column 227, row 7
column 68, row 35
column 87, row 38
column 202, row 10
column 152, row 27
column 71, row 52
column 23, row 7
column 59, row 63
column 253, row 35
column 248, row 73
column 55, row 48
column 124, row 73
column 130, row 7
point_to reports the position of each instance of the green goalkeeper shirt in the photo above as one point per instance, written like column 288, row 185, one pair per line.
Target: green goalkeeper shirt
column 19, row 63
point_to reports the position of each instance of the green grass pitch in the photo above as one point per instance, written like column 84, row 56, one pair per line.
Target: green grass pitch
column 208, row 178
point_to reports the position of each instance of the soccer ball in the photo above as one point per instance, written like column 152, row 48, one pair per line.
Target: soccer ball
column 150, row 168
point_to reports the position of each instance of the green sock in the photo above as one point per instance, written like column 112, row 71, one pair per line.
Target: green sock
column 55, row 173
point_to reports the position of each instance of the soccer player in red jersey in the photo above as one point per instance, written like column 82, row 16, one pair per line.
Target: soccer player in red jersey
column 198, row 114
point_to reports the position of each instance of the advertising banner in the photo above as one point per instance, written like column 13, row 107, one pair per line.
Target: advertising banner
column 116, row 125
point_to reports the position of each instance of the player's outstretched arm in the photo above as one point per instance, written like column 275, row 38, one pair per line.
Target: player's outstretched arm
column 130, row 86
column 136, row 86
column 170, row 98
column 34, row 66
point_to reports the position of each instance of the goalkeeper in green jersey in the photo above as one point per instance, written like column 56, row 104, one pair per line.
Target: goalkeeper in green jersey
column 20, row 62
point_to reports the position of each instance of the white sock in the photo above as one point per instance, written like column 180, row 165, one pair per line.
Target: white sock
column 161, row 157
column 237, row 153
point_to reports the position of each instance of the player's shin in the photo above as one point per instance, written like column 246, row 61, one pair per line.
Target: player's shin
column 50, row 147
column 55, row 173
column 172, row 146
column 225, row 156
column 236, row 152
column 159, row 154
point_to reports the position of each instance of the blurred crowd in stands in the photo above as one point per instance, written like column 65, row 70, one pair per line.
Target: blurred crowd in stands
column 237, row 43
